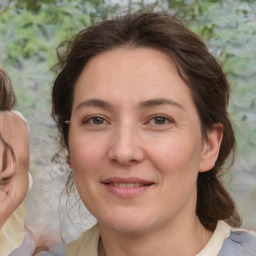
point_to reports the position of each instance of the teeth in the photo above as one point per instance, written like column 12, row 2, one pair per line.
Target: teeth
column 126, row 185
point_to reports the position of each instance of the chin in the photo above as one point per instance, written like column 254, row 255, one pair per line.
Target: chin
column 127, row 224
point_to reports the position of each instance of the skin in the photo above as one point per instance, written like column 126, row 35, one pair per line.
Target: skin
column 142, row 124
column 14, row 179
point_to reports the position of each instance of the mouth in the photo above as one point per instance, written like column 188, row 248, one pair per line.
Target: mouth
column 127, row 188
column 128, row 185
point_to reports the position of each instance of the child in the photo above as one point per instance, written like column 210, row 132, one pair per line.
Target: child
column 14, row 164
column 15, row 238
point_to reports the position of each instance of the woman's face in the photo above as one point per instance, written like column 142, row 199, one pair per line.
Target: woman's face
column 135, row 142
column 14, row 179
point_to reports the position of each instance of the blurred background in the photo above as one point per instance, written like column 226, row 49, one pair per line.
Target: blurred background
column 29, row 34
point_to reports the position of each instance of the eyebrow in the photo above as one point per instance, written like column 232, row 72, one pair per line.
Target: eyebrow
column 94, row 103
column 159, row 102
column 144, row 104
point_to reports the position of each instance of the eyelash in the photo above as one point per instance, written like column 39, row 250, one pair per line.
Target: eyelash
column 5, row 181
column 93, row 117
column 103, row 119
column 154, row 117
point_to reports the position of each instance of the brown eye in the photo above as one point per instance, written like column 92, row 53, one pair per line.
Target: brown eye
column 160, row 120
column 95, row 121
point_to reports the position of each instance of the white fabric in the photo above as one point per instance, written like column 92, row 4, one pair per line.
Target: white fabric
column 12, row 232
column 216, row 242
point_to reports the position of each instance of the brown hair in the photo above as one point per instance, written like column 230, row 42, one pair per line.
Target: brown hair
column 7, row 102
column 7, row 97
column 195, row 65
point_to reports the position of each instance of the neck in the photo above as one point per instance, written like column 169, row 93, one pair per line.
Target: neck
column 185, row 239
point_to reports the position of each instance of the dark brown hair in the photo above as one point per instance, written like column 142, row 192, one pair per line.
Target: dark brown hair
column 195, row 65
column 7, row 102
column 7, row 97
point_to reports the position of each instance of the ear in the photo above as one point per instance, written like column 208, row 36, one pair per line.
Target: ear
column 211, row 148
column 68, row 160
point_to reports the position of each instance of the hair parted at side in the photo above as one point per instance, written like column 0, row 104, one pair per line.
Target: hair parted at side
column 195, row 65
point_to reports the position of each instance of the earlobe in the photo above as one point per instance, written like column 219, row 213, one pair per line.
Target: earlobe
column 68, row 160
column 211, row 148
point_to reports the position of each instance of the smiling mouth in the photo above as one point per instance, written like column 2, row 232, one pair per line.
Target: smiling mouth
column 127, row 188
column 128, row 185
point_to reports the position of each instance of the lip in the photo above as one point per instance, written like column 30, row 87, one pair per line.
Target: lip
column 127, row 187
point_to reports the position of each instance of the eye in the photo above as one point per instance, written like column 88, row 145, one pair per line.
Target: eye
column 6, row 176
column 95, row 121
column 5, row 181
column 160, row 120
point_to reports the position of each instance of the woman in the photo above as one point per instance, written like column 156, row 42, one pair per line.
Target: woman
column 141, row 106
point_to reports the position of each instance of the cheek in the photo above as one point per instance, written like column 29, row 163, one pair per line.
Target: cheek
column 1, row 156
column 176, row 151
column 86, row 164
column 21, row 184
column 177, row 165
column 83, row 166
column 87, row 157
column 177, row 162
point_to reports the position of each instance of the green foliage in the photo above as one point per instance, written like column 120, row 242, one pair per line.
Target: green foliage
column 29, row 39
column 31, row 30
column 32, row 34
column 36, row 6
column 229, row 29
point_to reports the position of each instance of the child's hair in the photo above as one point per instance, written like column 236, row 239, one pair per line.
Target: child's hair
column 7, row 97
column 7, row 102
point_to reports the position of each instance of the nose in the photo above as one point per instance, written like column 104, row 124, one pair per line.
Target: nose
column 126, row 147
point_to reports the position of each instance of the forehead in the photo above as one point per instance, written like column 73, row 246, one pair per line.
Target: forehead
column 128, row 72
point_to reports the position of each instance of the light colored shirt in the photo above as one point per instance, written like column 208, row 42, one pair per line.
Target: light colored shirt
column 12, row 232
column 222, row 243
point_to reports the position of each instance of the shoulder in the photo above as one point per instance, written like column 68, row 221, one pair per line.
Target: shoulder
column 240, row 243
column 21, row 116
column 13, row 125
column 228, row 241
column 15, row 132
column 14, row 117
column 85, row 245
